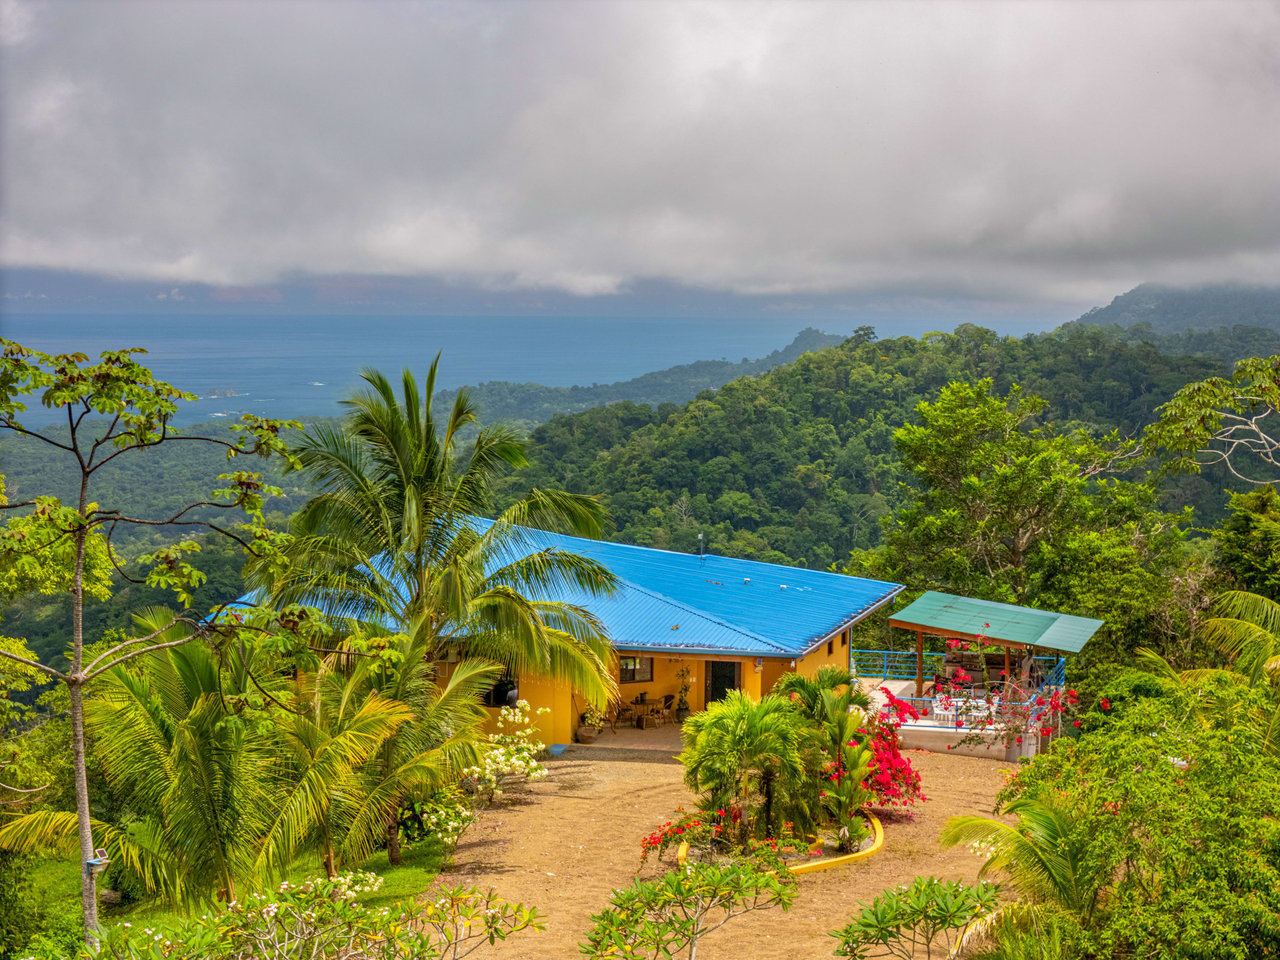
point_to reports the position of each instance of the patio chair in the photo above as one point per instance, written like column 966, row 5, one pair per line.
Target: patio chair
column 618, row 712
column 664, row 716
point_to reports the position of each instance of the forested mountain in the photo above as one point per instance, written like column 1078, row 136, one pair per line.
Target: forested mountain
column 532, row 403
column 798, row 464
column 1174, row 309
column 795, row 465
column 1227, row 344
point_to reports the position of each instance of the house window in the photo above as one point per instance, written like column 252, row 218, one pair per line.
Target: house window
column 500, row 694
column 635, row 669
column 831, row 645
column 844, row 639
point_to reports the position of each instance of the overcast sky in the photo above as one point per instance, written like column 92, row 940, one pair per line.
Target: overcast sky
column 1051, row 152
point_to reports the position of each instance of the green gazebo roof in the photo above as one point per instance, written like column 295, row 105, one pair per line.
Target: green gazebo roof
column 944, row 615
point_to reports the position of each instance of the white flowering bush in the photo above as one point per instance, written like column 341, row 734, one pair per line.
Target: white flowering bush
column 324, row 920
column 443, row 816
column 508, row 756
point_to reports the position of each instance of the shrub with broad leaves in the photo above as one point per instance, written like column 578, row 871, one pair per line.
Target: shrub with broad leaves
column 667, row 917
column 324, row 920
column 919, row 921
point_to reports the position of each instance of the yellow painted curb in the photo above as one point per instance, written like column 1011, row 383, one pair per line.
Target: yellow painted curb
column 877, row 830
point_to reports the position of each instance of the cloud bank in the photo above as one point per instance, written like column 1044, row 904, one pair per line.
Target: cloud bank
column 1057, row 151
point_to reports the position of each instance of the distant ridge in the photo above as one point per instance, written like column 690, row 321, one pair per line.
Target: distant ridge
column 535, row 403
column 1224, row 321
column 1174, row 309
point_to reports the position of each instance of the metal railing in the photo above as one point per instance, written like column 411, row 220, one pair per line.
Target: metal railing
column 901, row 665
column 893, row 664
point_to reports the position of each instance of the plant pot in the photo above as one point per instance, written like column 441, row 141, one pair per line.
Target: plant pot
column 587, row 734
column 682, row 714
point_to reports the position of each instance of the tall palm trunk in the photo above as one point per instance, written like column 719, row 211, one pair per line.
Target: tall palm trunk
column 393, row 841
column 330, row 864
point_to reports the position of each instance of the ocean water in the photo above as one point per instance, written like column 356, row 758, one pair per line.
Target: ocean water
column 302, row 366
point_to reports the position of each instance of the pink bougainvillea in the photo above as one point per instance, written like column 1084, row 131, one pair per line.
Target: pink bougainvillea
column 893, row 780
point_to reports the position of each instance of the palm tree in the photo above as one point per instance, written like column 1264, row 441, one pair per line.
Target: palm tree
column 835, row 703
column 1248, row 632
column 750, row 756
column 392, row 541
column 833, row 699
column 423, row 754
column 322, row 752
column 1045, row 854
column 184, row 763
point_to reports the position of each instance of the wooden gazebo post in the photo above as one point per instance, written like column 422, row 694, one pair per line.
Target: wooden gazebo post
column 919, row 663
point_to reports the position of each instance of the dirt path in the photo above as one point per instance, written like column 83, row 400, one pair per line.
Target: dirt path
column 564, row 843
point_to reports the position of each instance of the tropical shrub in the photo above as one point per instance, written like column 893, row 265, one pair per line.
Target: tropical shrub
column 909, row 922
column 323, row 920
column 688, row 828
column 441, row 816
column 749, row 757
column 893, row 780
column 1157, row 834
column 669, row 916
column 834, row 703
column 510, row 755
column 20, row 915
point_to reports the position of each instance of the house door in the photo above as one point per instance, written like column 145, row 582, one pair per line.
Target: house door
column 722, row 676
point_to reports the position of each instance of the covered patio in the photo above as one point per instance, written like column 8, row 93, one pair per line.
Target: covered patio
column 1029, row 632
column 1001, row 660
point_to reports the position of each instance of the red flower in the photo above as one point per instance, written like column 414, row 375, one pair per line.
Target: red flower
column 1019, row 741
column 1104, row 703
column 1075, row 723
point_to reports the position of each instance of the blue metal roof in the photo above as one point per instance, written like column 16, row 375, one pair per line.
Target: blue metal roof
column 681, row 602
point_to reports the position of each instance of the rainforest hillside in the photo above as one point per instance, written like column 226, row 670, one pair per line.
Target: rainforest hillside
column 798, row 465
column 795, row 465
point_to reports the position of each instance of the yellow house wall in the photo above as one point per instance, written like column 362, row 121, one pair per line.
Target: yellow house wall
column 773, row 670
column 665, row 681
column 810, row 664
column 560, row 724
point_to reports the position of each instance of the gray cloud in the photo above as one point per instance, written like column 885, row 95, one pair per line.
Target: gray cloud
column 1060, row 151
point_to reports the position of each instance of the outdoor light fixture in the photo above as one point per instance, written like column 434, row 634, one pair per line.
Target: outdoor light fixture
column 96, row 864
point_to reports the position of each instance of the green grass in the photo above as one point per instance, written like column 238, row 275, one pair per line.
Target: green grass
column 56, row 880
column 56, row 885
column 409, row 880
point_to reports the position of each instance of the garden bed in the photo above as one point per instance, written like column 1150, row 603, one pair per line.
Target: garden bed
column 565, row 843
column 820, row 854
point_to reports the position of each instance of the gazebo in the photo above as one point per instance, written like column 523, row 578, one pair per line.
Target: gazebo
column 1001, row 624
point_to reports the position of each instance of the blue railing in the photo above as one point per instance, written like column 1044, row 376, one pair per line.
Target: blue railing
column 1056, row 677
column 901, row 665
column 893, row 664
